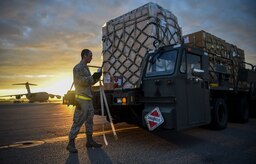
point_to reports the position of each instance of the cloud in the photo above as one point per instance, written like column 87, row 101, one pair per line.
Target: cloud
column 25, row 76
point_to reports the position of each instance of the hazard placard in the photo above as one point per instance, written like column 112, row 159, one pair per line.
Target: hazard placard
column 154, row 119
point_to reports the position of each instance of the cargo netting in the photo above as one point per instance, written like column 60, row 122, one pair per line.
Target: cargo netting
column 129, row 37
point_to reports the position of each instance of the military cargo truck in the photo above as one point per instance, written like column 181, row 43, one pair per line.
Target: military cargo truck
column 190, row 87
column 193, row 80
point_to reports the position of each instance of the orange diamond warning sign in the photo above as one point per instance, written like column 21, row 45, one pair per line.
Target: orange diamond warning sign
column 154, row 119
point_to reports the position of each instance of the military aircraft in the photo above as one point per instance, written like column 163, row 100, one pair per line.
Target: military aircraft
column 33, row 97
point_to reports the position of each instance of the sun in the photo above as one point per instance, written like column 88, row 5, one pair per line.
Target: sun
column 59, row 85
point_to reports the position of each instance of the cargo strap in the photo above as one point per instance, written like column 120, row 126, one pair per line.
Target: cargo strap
column 103, row 101
column 83, row 97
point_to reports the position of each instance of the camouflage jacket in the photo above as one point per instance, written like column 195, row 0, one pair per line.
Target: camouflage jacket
column 83, row 80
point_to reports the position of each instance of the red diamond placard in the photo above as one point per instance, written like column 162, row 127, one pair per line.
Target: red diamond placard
column 154, row 119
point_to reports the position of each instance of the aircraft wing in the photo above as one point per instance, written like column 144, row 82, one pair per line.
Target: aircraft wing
column 18, row 96
column 53, row 95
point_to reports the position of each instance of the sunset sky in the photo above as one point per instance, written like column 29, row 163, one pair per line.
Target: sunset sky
column 41, row 40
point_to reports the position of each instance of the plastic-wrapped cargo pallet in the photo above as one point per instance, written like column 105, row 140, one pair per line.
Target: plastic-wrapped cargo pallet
column 220, row 53
column 127, row 38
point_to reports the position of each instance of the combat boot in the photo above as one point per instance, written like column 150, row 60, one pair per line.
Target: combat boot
column 91, row 143
column 71, row 146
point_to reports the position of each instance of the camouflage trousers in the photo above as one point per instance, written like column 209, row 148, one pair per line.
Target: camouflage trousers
column 83, row 114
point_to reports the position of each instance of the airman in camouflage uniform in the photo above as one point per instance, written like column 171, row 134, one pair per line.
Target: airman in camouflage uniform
column 84, row 111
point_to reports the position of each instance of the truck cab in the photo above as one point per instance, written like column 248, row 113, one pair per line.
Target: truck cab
column 175, row 79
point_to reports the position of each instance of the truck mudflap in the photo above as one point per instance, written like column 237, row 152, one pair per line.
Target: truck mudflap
column 167, row 111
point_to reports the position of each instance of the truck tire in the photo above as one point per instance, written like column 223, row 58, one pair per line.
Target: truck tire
column 242, row 111
column 219, row 114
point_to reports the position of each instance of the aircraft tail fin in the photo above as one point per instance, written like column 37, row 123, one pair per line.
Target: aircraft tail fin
column 27, row 84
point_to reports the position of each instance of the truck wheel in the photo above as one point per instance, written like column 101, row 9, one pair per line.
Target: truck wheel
column 242, row 111
column 219, row 114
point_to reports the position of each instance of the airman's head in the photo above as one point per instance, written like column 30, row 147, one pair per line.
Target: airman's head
column 86, row 56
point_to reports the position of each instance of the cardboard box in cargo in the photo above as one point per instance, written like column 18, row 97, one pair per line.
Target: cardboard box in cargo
column 206, row 41
column 213, row 44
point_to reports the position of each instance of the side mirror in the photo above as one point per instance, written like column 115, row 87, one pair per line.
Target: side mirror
column 198, row 73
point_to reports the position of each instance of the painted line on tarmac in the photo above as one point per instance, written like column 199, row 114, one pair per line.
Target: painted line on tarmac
column 79, row 136
column 31, row 143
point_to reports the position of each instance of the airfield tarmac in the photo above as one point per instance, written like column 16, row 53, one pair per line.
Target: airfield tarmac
column 37, row 133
